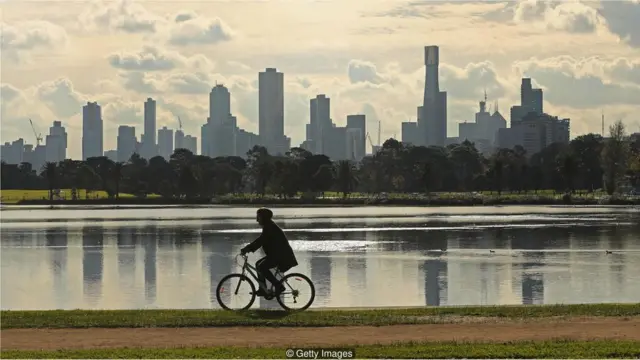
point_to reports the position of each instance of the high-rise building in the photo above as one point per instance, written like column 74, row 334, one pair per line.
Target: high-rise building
column 111, row 155
column 165, row 143
column 245, row 141
column 353, row 136
column 320, row 123
column 56, row 144
column 179, row 139
column 149, row 147
column 271, row 111
column 126, row 143
column 530, row 98
column 225, row 137
column 205, row 138
column 219, row 104
column 359, row 121
column 432, row 123
column 13, row 153
column 191, row 143
column 91, row 131
column 410, row 133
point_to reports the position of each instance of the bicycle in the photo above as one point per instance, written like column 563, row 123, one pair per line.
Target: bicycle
column 284, row 299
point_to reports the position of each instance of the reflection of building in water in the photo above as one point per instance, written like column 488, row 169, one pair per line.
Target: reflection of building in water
column 359, row 283
column 217, row 251
column 150, row 243
column 532, row 281
column 435, row 282
column 126, row 258
column 321, row 275
column 92, row 264
column 57, row 248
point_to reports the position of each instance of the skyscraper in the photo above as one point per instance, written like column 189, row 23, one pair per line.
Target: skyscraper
column 179, row 139
column 219, row 104
column 126, row 142
column 149, row 148
column 271, row 110
column 359, row 121
column 91, row 131
column 56, row 143
column 165, row 143
column 320, row 122
column 433, row 122
column 191, row 143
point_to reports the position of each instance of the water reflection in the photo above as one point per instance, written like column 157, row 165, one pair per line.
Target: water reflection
column 180, row 266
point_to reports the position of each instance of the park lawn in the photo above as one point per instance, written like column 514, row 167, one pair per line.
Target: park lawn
column 323, row 317
column 560, row 349
column 13, row 196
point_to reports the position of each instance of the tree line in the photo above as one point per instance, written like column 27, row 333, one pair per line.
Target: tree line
column 589, row 163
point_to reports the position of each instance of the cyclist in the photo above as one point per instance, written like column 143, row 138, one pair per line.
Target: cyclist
column 275, row 245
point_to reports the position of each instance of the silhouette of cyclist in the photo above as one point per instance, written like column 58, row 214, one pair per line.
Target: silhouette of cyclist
column 275, row 245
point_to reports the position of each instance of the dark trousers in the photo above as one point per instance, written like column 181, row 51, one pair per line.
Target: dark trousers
column 264, row 267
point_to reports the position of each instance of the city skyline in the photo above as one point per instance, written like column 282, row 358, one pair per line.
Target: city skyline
column 374, row 66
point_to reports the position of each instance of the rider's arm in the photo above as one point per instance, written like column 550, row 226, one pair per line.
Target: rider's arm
column 255, row 245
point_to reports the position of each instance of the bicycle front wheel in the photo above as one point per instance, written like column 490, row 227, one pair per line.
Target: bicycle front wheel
column 299, row 292
column 236, row 292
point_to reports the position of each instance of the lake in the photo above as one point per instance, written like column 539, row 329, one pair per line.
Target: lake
column 173, row 257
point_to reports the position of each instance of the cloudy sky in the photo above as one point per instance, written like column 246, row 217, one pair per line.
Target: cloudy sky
column 367, row 55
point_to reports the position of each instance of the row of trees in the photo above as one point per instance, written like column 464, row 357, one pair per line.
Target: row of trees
column 588, row 162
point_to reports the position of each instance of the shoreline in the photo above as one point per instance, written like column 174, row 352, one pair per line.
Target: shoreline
column 519, row 200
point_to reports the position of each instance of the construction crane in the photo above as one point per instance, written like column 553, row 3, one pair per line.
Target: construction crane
column 38, row 136
column 179, row 123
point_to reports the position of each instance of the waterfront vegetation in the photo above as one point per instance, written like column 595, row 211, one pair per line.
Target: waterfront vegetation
column 219, row 318
column 560, row 349
column 402, row 174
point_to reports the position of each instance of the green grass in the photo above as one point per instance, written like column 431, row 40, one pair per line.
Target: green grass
column 218, row 318
column 548, row 349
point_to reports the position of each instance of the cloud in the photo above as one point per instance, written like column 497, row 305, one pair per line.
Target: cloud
column 151, row 58
column 194, row 30
column 622, row 19
column 19, row 39
column 571, row 16
column 362, row 71
column 122, row 15
column 583, row 83
column 184, row 15
column 471, row 81
column 60, row 97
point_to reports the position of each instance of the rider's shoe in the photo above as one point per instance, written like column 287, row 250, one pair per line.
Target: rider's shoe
column 261, row 292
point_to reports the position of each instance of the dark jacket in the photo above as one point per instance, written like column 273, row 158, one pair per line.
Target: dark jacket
column 275, row 245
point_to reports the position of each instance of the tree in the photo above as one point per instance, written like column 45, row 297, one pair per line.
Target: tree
column 568, row 168
column 615, row 156
column 50, row 170
column 323, row 179
column 346, row 179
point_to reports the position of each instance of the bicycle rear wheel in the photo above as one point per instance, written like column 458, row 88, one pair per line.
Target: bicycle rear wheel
column 236, row 292
column 299, row 292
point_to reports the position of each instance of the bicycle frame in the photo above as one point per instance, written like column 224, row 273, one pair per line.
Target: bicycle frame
column 248, row 268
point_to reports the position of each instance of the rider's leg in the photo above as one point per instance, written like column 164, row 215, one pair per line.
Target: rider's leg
column 261, row 277
column 264, row 270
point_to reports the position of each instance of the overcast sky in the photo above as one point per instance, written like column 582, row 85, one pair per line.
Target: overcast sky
column 366, row 55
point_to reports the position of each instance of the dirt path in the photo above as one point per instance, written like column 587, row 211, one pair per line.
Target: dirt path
column 579, row 329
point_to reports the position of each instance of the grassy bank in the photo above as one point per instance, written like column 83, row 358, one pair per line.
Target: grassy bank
column 212, row 318
column 548, row 349
column 339, row 202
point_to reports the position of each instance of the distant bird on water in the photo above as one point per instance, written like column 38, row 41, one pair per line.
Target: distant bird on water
column 492, row 251
column 609, row 252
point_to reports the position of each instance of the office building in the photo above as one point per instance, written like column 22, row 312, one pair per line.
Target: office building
column 245, row 141
column 56, row 143
column 92, row 131
column 111, row 155
column 179, row 139
column 13, row 152
column 353, row 137
column 432, row 123
column 359, row 121
column 271, row 111
column 149, row 147
column 410, row 135
column 535, row 132
column 191, row 143
column 320, row 123
column 126, row 143
column 205, row 138
column 219, row 104
column 484, row 131
column 165, row 143
column 335, row 142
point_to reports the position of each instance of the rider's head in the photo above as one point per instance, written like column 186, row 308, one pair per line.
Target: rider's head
column 263, row 216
